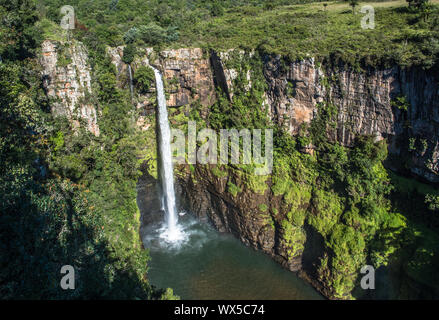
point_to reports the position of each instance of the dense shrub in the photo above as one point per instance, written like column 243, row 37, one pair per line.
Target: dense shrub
column 66, row 196
column 144, row 78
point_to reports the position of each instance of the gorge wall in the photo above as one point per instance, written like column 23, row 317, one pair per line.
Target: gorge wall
column 364, row 100
column 368, row 103
column 365, row 103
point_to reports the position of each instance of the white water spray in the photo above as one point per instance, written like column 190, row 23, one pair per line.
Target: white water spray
column 172, row 231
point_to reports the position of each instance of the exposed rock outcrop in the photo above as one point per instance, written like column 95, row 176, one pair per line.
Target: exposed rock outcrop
column 240, row 214
column 67, row 79
column 364, row 102
column 187, row 74
column 189, row 77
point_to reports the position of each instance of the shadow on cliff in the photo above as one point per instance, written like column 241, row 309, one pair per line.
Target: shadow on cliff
column 314, row 249
column 148, row 199
column 41, row 239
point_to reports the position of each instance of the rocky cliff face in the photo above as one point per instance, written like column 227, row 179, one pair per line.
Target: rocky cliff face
column 67, row 79
column 368, row 103
column 366, row 106
column 189, row 77
column 187, row 74
column 364, row 100
column 241, row 214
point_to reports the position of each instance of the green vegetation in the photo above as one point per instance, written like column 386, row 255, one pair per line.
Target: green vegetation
column 401, row 103
column 344, row 195
column 129, row 52
column 353, row 4
column 417, row 4
column 64, row 57
column 432, row 201
column 151, row 34
column 51, row 30
column 233, row 188
column 417, row 201
column 143, row 79
column 401, row 35
column 245, row 111
column 220, row 173
column 67, row 197
column 293, row 238
column 256, row 183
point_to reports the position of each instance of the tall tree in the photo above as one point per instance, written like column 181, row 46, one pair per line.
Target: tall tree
column 417, row 4
column 18, row 34
column 353, row 4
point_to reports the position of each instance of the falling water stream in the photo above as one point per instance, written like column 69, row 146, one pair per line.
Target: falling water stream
column 172, row 231
column 197, row 261
column 131, row 81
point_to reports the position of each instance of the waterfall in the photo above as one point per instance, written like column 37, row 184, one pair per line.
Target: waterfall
column 166, row 171
column 131, row 81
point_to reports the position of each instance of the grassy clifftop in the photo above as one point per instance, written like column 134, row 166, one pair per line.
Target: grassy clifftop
column 319, row 29
column 399, row 36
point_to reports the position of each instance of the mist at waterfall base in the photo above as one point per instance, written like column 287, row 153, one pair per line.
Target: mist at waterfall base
column 200, row 263
column 207, row 264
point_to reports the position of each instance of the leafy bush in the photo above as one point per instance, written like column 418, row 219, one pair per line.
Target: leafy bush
column 432, row 201
column 128, row 53
column 293, row 238
column 401, row 103
column 144, row 78
column 233, row 188
column 151, row 34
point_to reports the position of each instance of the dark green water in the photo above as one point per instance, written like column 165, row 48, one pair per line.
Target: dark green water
column 210, row 265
